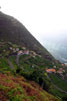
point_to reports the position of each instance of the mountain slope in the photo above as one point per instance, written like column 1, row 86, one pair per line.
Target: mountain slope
column 12, row 30
column 17, row 88
column 13, row 86
column 22, row 55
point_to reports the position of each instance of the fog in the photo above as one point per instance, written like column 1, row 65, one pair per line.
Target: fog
column 41, row 17
column 45, row 19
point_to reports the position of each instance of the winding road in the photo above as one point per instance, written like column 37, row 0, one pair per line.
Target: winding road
column 17, row 62
column 10, row 64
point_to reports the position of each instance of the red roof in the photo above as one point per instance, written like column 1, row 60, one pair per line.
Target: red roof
column 51, row 70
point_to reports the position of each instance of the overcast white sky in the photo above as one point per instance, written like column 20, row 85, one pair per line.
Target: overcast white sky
column 41, row 17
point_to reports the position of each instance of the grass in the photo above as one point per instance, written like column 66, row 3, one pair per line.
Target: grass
column 36, row 62
column 58, row 93
column 4, row 64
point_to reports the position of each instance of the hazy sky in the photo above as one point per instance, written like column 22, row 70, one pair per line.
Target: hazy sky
column 41, row 17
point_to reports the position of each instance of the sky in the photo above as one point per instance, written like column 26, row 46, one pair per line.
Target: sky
column 43, row 18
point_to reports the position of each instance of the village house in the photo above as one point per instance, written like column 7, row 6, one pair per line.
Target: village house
column 11, row 48
column 26, row 52
column 17, row 49
column 54, row 66
column 63, row 64
column 23, row 48
column 20, row 52
column 51, row 70
column 14, row 50
column 33, row 53
column 60, row 71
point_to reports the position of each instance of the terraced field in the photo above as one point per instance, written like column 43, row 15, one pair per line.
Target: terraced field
column 58, row 81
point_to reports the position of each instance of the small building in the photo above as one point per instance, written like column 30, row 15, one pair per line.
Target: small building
column 26, row 52
column 11, row 48
column 54, row 66
column 14, row 50
column 20, row 52
column 33, row 53
column 60, row 71
column 17, row 49
column 51, row 70
column 23, row 48
column 63, row 64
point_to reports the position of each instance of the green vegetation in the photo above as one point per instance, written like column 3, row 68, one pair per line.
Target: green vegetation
column 31, row 62
column 33, row 69
column 4, row 64
column 12, row 59
column 19, row 89
column 58, row 93
column 59, row 82
column 18, row 34
column 13, row 86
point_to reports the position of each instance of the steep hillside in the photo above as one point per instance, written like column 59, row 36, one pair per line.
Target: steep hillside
column 12, row 30
column 24, row 61
column 13, row 66
column 17, row 88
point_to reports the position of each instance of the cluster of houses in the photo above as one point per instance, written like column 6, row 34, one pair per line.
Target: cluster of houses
column 17, row 49
column 64, row 64
column 23, row 51
column 60, row 71
column 27, row 52
column 14, row 49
